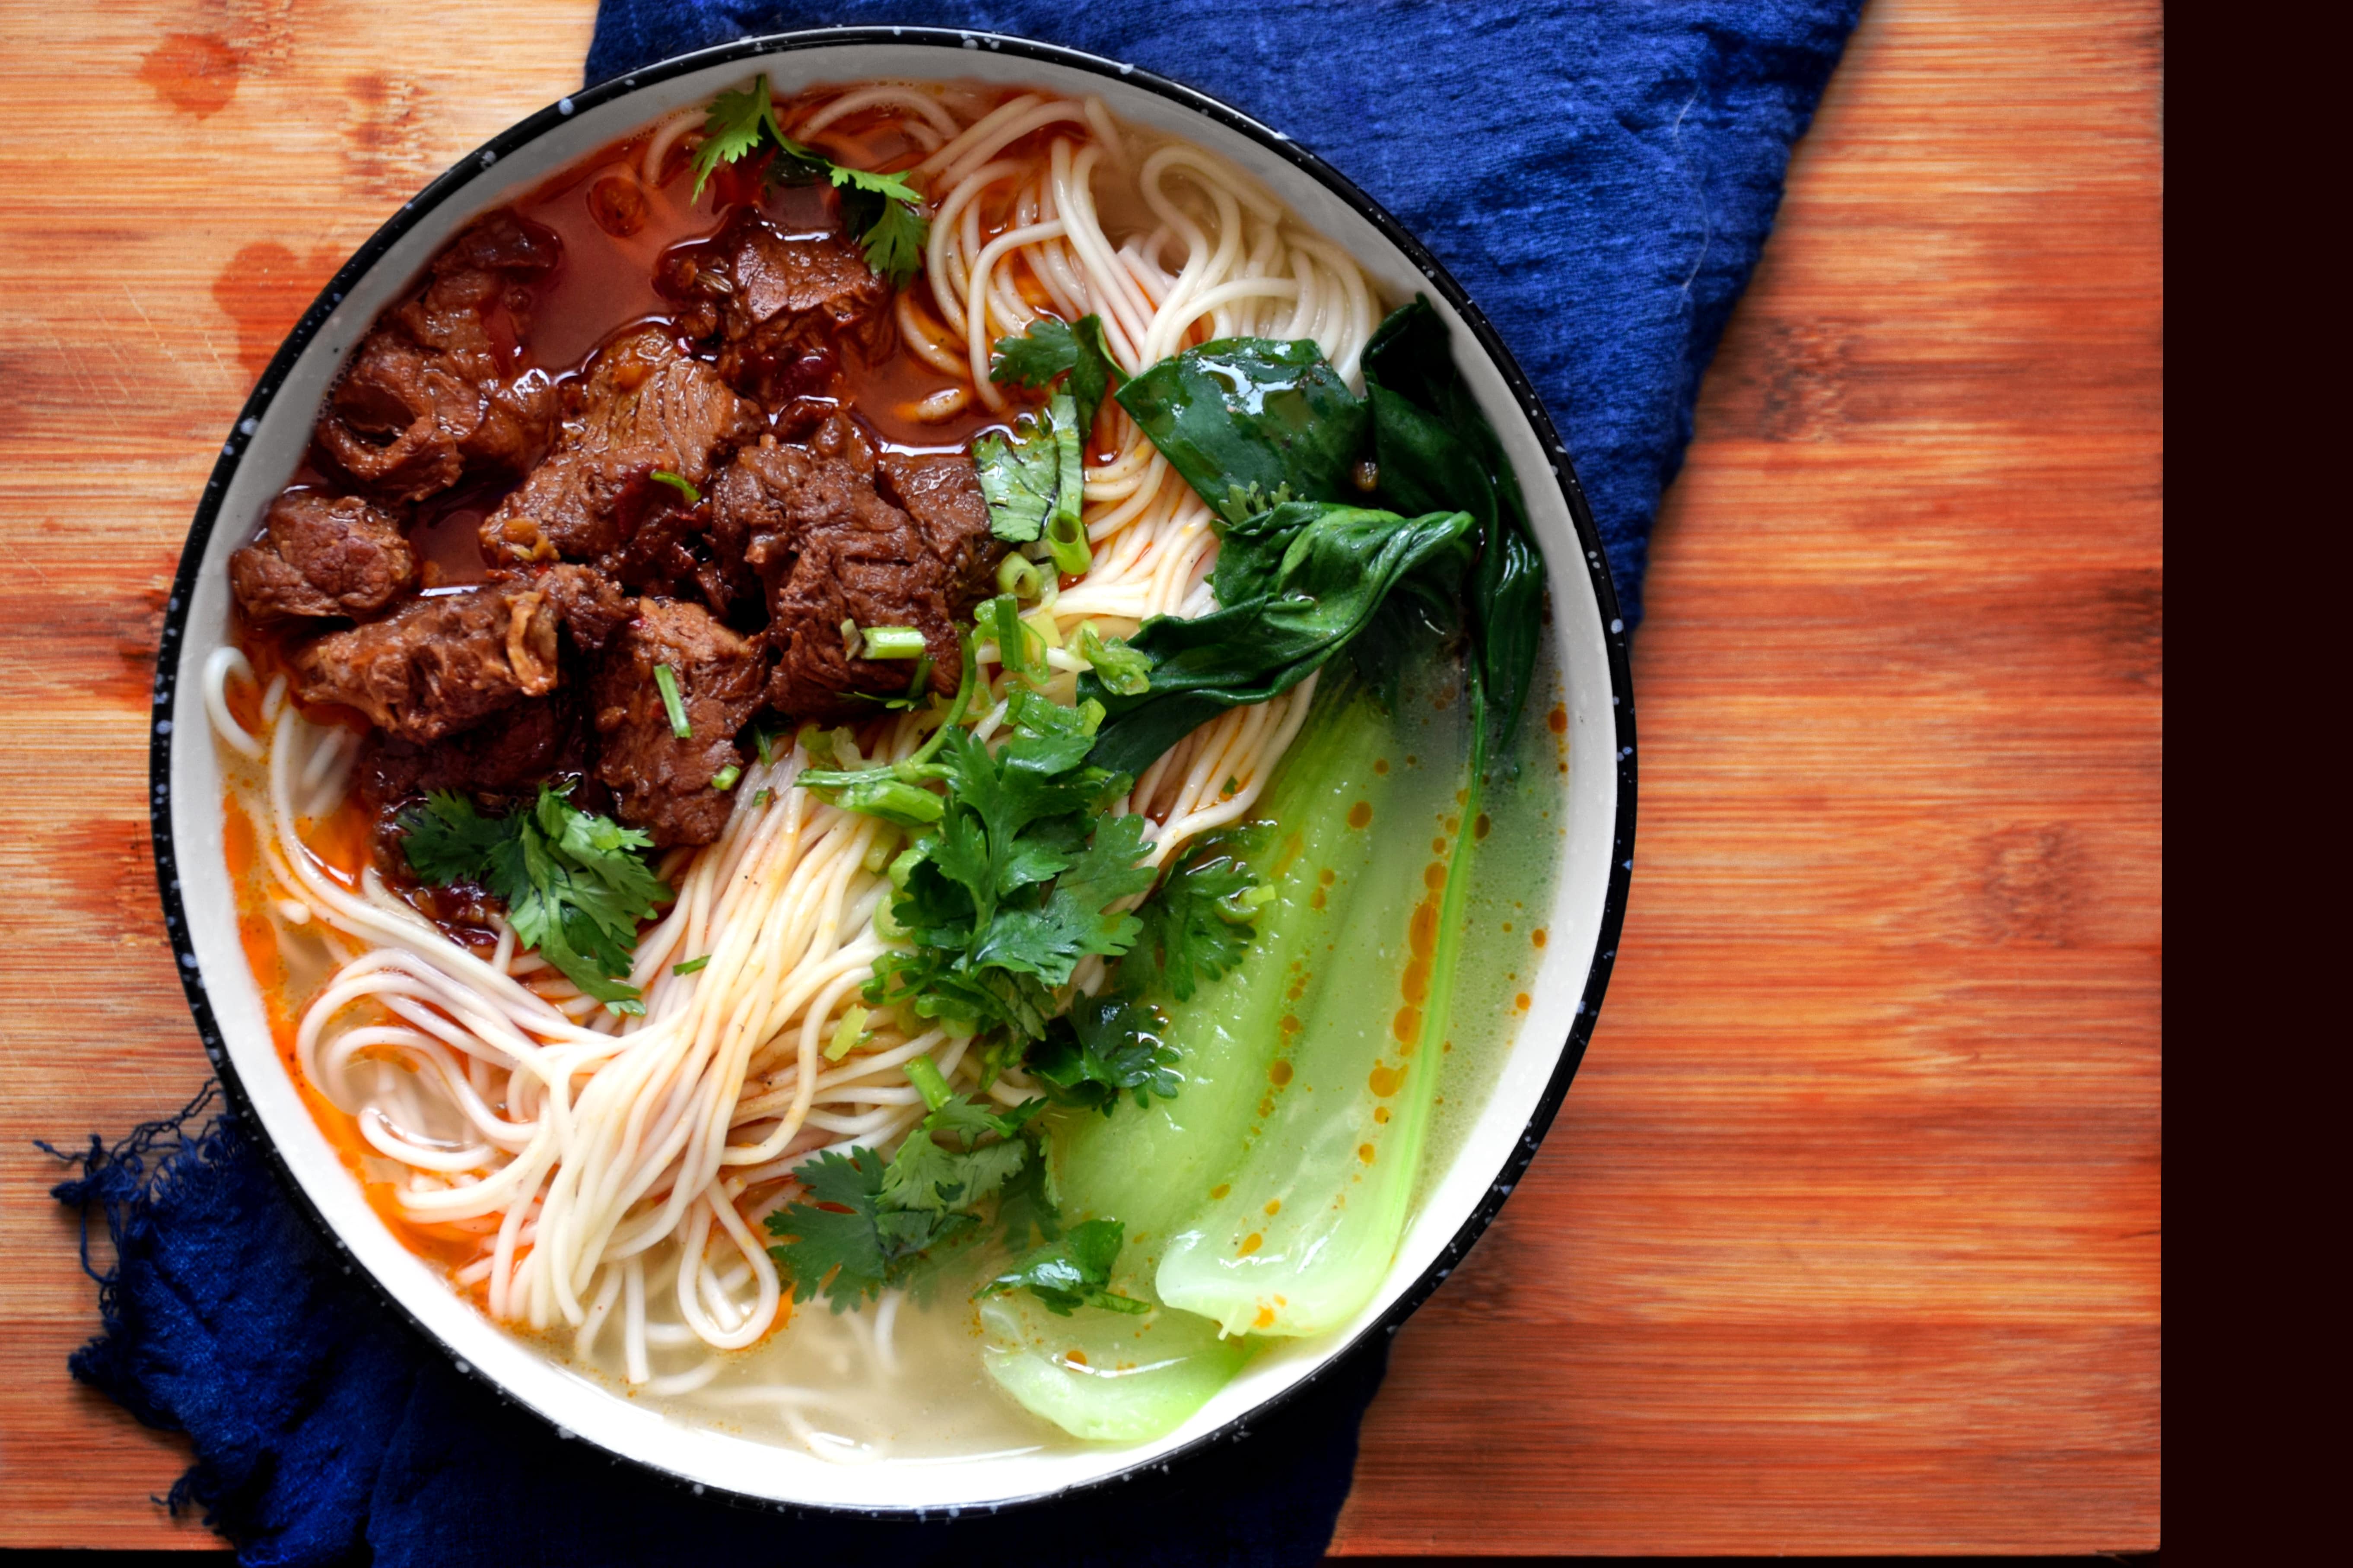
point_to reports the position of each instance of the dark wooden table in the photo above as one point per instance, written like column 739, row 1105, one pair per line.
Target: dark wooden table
column 1848, row 1239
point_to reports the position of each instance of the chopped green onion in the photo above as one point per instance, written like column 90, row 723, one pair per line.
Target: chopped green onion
column 894, row 642
column 760, row 738
column 678, row 482
column 667, row 678
column 1066, row 537
column 848, row 1034
column 848, row 638
column 921, row 682
column 1019, row 576
column 691, row 966
column 760, row 801
column 1012, row 640
column 725, row 778
column 925, row 1074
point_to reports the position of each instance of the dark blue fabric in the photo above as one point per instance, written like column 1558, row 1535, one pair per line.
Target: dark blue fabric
column 1600, row 176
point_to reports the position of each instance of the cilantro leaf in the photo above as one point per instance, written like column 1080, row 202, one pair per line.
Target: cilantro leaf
column 1196, row 924
column 886, row 214
column 1104, row 1048
column 450, row 841
column 733, row 127
column 1050, row 349
column 573, row 883
column 1035, row 482
column 1073, row 1272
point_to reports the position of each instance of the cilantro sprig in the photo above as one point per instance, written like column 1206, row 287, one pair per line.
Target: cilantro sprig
column 1052, row 349
column 869, row 1224
column 1016, row 881
column 1105, row 1048
column 1199, row 920
column 573, row 882
column 883, row 211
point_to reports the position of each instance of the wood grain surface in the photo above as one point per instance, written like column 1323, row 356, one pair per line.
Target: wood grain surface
column 1848, row 1238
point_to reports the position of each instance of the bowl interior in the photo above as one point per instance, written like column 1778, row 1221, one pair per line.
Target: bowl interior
column 263, row 452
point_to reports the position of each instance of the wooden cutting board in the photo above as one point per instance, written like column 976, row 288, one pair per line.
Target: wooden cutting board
column 1848, row 1238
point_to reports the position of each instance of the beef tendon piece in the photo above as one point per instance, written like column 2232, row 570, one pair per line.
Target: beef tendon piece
column 438, row 664
column 322, row 555
column 425, row 398
column 810, row 521
column 779, row 305
column 660, row 780
column 648, row 406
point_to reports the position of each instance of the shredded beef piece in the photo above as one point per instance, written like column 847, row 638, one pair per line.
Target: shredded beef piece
column 322, row 555
column 779, row 305
column 810, row 522
column 438, row 664
column 647, row 405
column 660, row 781
column 424, row 397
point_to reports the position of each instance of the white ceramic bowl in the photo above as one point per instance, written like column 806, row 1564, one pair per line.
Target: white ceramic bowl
column 270, row 439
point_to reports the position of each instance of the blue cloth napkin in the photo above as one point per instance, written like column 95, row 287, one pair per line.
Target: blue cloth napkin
column 1601, row 177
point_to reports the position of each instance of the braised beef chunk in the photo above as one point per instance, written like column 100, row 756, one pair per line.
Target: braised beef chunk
column 424, row 398
column 662, row 780
column 438, row 664
column 322, row 555
column 590, row 605
column 941, row 491
column 532, row 740
column 647, row 406
column 779, row 305
column 810, row 522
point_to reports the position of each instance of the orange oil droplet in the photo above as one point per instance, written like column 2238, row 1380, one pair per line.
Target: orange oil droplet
column 1316, row 901
column 1265, row 1319
column 1221, row 1189
column 1381, row 1115
column 1557, row 720
column 1252, row 1243
column 1417, row 982
column 1538, row 936
column 1407, row 1027
column 1361, row 814
column 1422, row 934
column 1522, row 1001
column 1387, row 1080
column 1507, row 928
column 1273, row 1207
column 1365, row 1151
column 1381, row 764
column 1438, row 847
column 1265, row 1107
column 1433, row 877
column 1483, row 826
column 1075, row 1357
column 1454, row 824
column 1280, row 1072
column 1327, row 876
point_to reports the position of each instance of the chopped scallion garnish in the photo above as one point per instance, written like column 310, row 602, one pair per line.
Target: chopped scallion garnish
column 760, row 801
column 678, row 482
column 667, row 680
column 765, row 747
column 725, row 778
column 691, row 966
column 894, row 642
column 848, row 1034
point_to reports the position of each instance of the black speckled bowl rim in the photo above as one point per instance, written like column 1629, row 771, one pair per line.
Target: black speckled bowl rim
column 450, row 185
